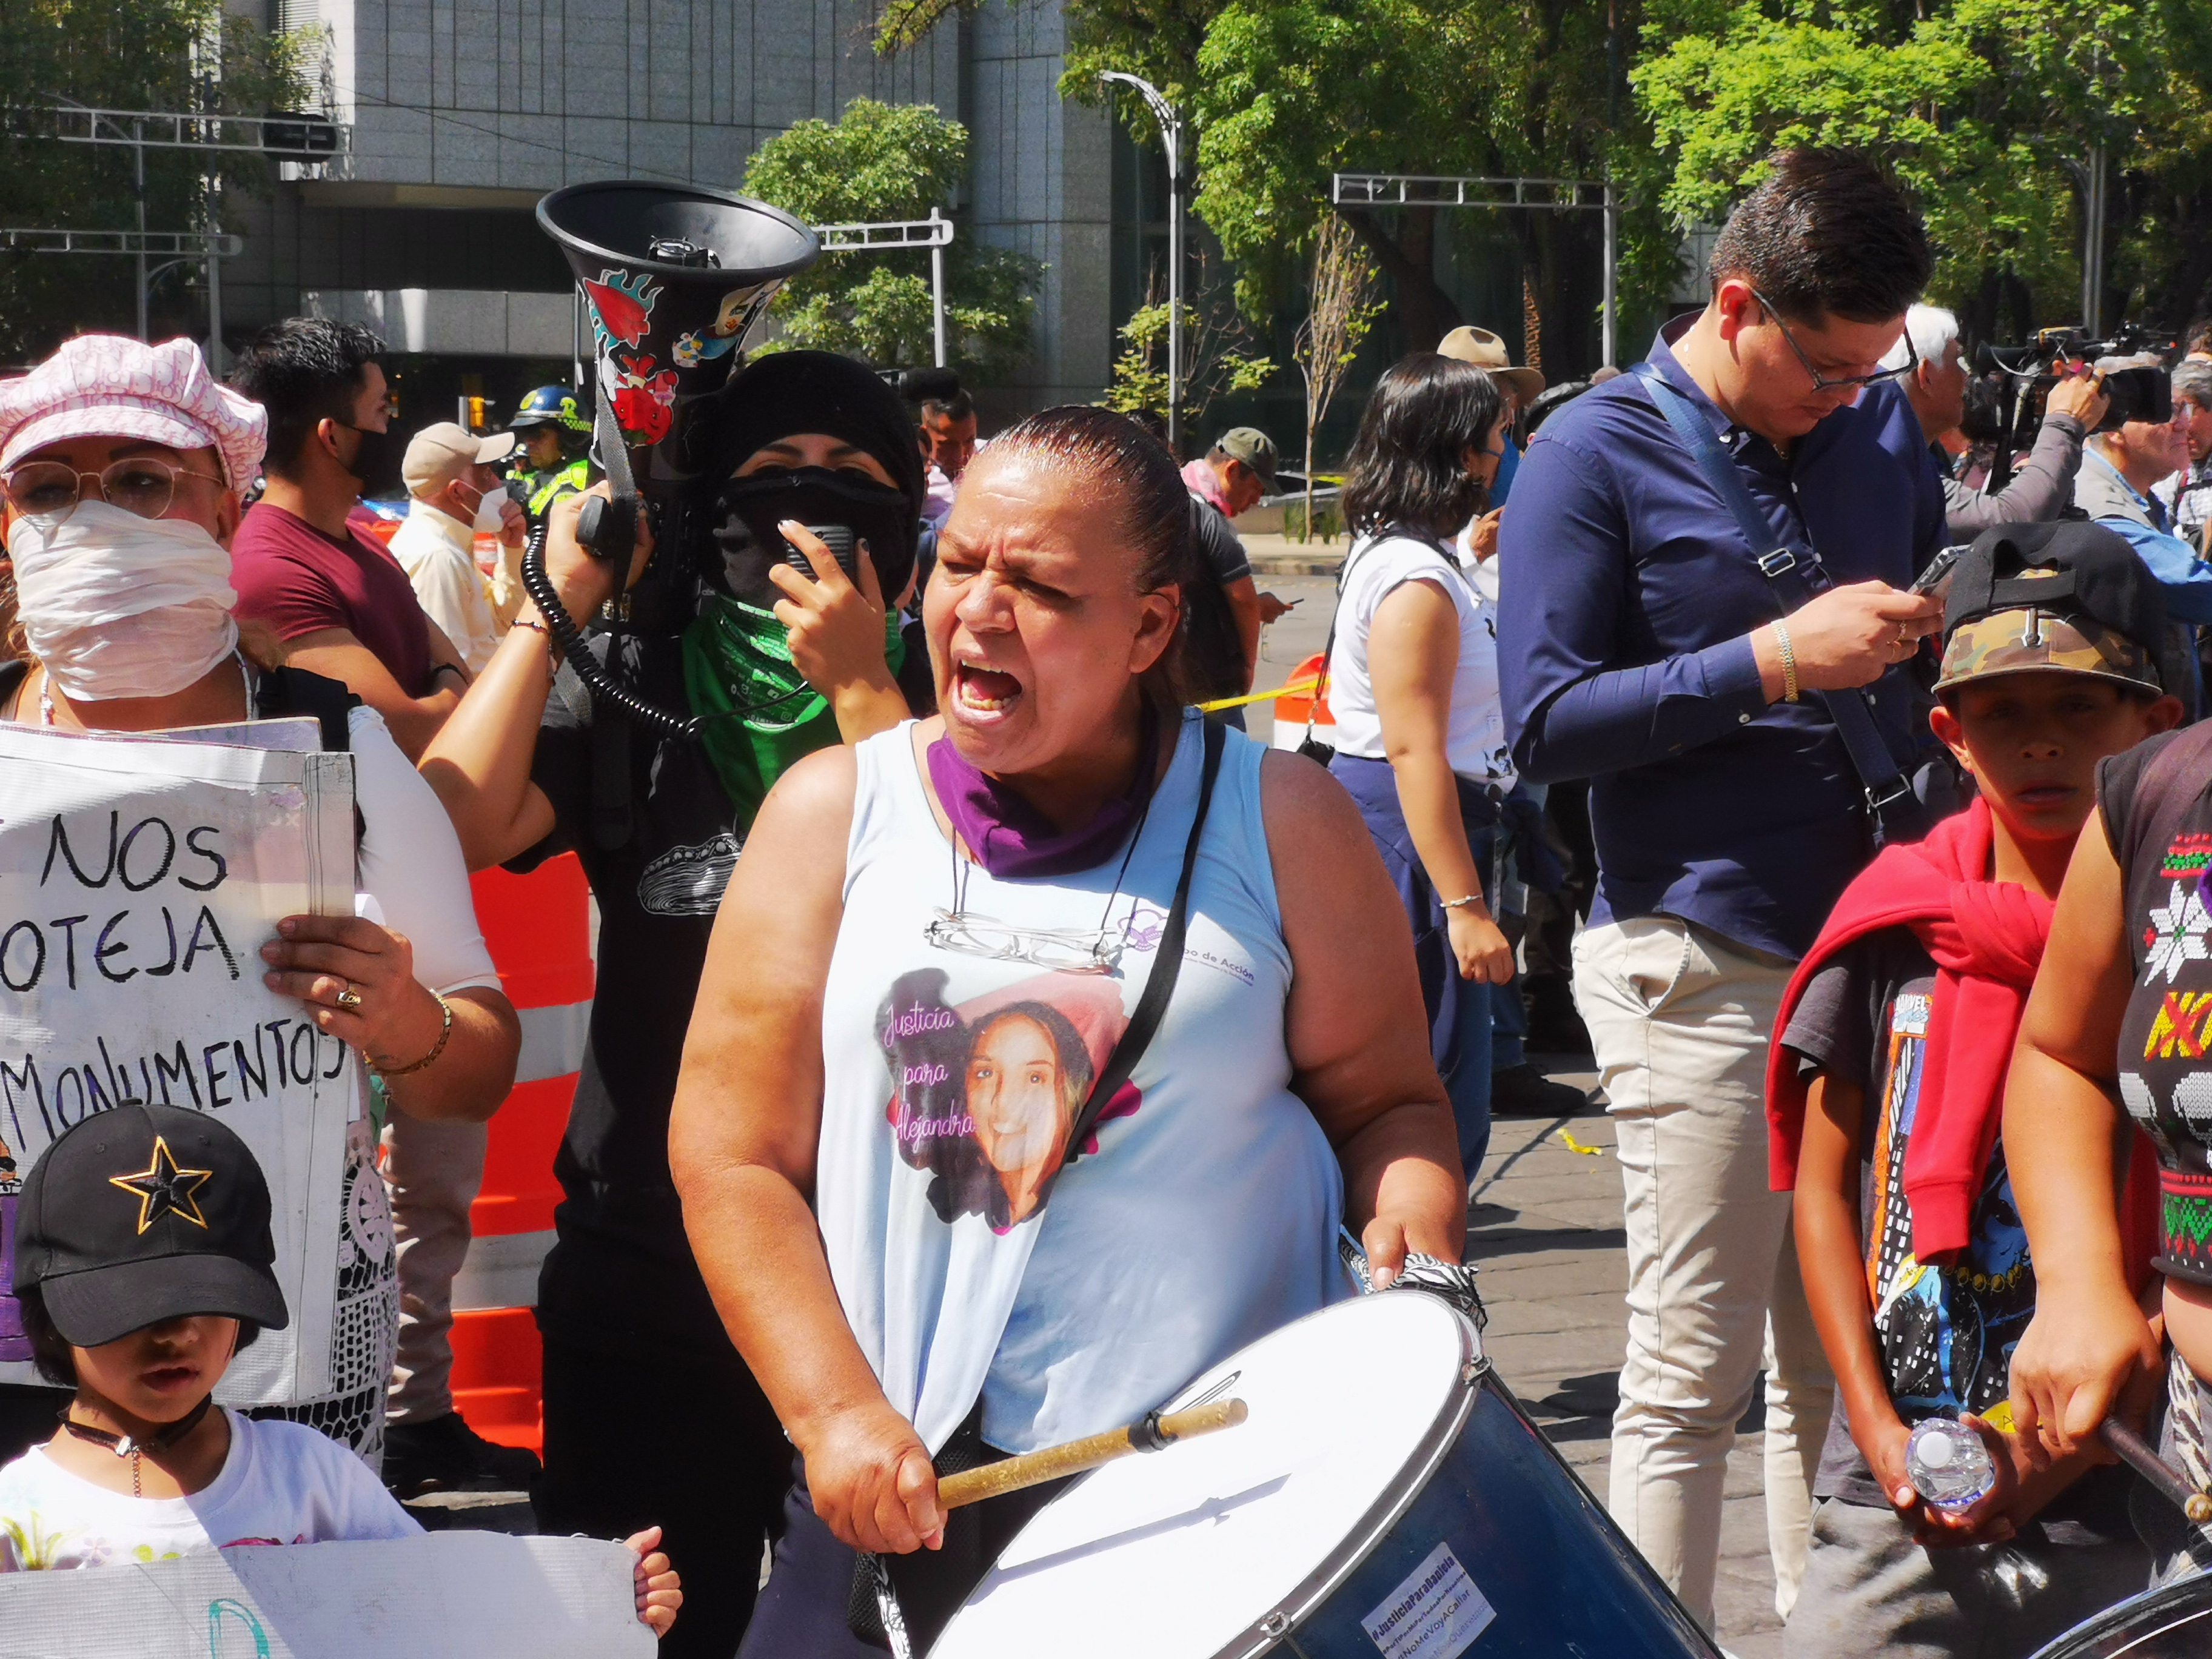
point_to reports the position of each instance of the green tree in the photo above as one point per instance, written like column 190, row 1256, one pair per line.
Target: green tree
column 888, row 162
column 1984, row 109
column 1219, row 358
column 180, row 55
column 1294, row 90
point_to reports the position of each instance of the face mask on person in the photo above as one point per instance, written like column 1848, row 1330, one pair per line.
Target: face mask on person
column 748, row 510
column 115, row 605
column 376, row 456
column 488, row 522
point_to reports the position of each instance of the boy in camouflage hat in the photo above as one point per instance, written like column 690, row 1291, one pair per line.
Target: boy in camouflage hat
column 1885, row 1091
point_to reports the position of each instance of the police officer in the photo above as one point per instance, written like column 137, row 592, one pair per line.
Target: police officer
column 551, row 462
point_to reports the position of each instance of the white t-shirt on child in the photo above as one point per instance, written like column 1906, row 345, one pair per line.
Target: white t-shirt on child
column 280, row 1484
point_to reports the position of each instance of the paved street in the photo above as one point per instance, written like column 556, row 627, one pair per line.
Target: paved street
column 1545, row 1224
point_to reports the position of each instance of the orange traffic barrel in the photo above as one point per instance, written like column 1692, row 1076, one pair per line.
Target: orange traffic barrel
column 538, row 927
column 1294, row 706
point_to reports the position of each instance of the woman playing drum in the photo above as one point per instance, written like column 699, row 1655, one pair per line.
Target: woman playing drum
column 957, row 920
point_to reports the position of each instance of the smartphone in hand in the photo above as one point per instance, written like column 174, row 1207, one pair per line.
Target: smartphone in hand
column 839, row 539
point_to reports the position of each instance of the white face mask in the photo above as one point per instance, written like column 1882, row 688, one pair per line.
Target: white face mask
column 115, row 605
column 488, row 522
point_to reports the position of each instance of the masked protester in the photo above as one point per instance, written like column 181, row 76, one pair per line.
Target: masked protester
column 121, row 465
column 788, row 648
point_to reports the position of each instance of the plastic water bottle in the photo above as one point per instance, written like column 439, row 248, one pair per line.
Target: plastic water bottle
column 1949, row 1464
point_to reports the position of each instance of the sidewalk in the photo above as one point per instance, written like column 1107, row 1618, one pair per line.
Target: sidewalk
column 1545, row 1225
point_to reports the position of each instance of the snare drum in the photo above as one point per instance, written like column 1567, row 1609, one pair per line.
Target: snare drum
column 2172, row 1622
column 1387, row 1493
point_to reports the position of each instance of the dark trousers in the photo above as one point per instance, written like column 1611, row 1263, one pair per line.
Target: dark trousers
column 803, row 1611
column 661, row 1435
column 1459, row 1009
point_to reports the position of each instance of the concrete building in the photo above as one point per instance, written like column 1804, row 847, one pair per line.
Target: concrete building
column 464, row 112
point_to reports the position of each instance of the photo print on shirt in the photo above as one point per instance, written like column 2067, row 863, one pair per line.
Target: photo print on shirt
column 985, row 1093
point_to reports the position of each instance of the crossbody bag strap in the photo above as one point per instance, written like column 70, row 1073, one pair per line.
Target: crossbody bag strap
column 1167, row 962
column 1888, row 791
column 1329, row 646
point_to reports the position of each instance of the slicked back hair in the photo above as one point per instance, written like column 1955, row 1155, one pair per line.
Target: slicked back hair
column 1408, row 464
column 304, row 370
column 1826, row 233
column 1133, row 475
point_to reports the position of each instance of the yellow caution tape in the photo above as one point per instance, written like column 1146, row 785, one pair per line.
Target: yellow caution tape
column 1296, row 688
column 1573, row 1145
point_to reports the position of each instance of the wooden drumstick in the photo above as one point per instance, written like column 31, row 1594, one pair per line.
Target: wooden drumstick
column 2140, row 1455
column 1032, row 1468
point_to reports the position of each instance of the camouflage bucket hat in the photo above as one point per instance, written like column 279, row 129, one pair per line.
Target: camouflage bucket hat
column 2032, row 640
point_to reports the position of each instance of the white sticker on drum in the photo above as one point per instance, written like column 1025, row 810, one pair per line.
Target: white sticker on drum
column 1435, row 1614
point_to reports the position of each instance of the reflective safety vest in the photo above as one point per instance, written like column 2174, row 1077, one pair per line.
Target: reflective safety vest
column 549, row 487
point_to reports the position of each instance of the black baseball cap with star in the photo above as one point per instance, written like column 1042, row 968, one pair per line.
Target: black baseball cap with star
column 145, row 1213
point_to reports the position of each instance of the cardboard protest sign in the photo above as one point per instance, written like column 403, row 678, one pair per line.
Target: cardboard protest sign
column 444, row 1596
column 138, row 880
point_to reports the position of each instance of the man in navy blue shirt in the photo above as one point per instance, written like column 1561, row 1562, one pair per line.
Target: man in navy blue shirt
column 1640, row 646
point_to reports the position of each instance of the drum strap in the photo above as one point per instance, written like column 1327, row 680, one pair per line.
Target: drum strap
column 1167, row 963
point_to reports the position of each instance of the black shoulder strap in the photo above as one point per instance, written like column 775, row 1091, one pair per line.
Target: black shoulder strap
column 1790, row 578
column 289, row 693
column 1167, row 962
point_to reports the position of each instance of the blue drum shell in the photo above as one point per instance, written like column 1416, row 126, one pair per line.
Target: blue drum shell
column 1563, row 1579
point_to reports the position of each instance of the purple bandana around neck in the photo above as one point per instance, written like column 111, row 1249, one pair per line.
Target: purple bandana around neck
column 1012, row 839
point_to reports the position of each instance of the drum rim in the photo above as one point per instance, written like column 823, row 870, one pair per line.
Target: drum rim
column 1310, row 1593
column 2166, row 1598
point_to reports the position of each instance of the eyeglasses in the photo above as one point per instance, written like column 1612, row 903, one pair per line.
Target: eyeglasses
column 1845, row 383
column 1064, row 949
column 51, row 489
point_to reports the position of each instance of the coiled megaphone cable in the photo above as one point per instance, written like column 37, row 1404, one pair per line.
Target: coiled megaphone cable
column 602, row 686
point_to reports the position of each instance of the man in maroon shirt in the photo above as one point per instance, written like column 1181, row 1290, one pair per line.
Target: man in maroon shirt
column 334, row 595
column 348, row 611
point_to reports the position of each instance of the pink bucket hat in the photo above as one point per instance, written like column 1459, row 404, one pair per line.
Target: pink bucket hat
column 109, row 387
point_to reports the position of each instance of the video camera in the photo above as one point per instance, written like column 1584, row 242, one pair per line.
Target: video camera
column 2028, row 372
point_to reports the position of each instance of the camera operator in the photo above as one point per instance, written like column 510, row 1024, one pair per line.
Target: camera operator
column 2120, row 470
column 2187, row 495
column 2043, row 482
column 649, row 1411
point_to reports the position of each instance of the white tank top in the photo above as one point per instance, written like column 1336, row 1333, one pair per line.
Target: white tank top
column 1207, row 1216
column 1374, row 569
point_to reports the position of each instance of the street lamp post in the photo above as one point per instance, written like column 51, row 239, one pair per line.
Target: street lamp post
column 1170, row 126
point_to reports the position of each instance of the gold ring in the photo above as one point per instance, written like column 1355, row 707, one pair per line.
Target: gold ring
column 349, row 998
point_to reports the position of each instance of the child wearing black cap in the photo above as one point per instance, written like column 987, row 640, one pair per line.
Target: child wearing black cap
column 142, row 1267
column 1885, row 1094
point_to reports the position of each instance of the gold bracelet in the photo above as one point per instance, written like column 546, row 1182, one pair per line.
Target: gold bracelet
column 436, row 1048
column 1789, row 664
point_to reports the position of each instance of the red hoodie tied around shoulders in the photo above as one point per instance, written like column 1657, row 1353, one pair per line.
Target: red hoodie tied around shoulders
column 1986, row 938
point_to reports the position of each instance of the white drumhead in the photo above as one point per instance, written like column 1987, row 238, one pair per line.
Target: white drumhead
column 1172, row 1554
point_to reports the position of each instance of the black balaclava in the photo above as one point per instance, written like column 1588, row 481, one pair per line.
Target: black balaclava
column 782, row 396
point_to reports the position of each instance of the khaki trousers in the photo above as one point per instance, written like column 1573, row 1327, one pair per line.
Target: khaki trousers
column 1681, row 1020
column 432, row 1171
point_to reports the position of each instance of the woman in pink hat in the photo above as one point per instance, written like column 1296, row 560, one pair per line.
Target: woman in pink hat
column 121, row 466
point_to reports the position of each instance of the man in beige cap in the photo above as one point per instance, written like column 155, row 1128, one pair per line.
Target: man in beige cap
column 453, row 483
column 1485, row 350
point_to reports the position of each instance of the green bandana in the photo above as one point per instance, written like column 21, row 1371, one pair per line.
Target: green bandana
column 760, row 716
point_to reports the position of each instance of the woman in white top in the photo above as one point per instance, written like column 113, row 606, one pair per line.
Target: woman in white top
column 121, row 465
column 941, row 1214
column 1413, row 680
